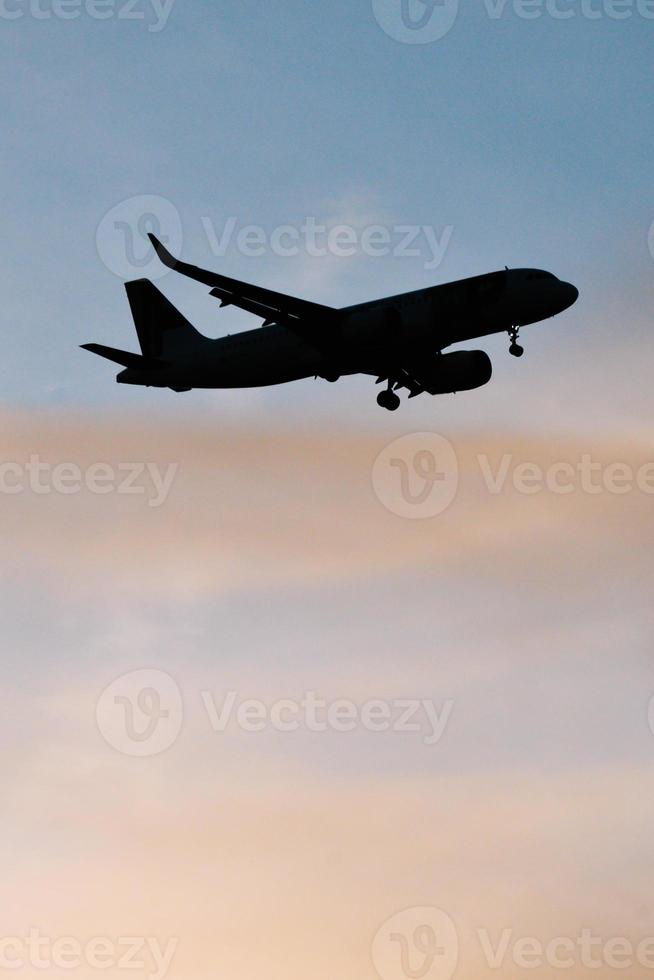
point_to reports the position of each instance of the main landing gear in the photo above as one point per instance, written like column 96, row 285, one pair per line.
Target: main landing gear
column 389, row 400
column 516, row 349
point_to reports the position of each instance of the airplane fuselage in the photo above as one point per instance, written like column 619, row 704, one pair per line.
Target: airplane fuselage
column 411, row 325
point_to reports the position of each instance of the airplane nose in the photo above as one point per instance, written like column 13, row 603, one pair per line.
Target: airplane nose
column 570, row 294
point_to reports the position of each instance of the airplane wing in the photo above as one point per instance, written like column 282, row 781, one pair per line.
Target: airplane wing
column 272, row 306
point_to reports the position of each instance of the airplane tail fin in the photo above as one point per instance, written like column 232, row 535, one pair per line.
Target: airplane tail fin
column 162, row 330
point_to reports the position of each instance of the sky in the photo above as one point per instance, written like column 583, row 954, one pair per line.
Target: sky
column 529, row 139
column 279, row 701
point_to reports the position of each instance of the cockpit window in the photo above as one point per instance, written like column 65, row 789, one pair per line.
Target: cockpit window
column 540, row 275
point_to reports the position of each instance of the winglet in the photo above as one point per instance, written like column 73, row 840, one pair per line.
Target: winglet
column 253, row 299
column 163, row 252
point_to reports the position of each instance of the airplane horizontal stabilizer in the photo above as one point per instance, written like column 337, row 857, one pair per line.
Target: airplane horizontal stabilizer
column 123, row 357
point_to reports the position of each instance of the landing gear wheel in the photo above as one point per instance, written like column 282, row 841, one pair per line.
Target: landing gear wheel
column 515, row 347
column 388, row 400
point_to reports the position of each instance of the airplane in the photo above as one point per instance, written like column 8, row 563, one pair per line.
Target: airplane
column 398, row 340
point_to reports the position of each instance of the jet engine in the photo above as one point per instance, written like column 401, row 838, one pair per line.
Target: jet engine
column 459, row 371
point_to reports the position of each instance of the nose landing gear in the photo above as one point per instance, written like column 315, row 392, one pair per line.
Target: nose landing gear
column 515, row 349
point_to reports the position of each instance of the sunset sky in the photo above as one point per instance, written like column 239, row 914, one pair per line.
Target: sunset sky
column 264, row 552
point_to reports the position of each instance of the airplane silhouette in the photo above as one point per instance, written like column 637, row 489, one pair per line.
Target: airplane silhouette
column 398, row 340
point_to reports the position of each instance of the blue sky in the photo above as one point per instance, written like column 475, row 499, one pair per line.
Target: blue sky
column 530, row 139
